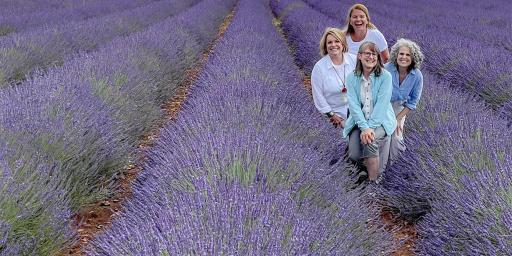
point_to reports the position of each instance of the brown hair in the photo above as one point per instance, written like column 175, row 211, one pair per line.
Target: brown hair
column 361, row 7
column 359, row 66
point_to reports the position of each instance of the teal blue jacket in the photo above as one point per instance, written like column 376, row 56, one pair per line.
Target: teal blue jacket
column 382, row 113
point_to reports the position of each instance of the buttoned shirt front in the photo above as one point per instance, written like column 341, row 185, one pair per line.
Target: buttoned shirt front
column 366, row 97
column 382, row 113
column 327, row 83
column 409, row 92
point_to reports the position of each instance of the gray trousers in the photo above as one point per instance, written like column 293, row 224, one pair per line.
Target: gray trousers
column 379, row 148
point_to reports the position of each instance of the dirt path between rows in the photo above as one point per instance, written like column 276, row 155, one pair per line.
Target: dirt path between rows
column 93, row 219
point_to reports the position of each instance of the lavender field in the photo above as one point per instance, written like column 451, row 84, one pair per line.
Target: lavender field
column 248, row 166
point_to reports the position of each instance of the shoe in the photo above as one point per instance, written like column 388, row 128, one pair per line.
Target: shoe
column 379, row 179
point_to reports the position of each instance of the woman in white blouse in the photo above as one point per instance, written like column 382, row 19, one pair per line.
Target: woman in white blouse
column 360, row 29
column 328, row 78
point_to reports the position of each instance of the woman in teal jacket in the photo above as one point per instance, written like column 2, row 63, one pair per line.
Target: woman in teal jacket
column 372, row 119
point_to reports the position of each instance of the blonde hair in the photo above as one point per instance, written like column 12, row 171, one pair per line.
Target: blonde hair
column 338, row 34
column 361, row 7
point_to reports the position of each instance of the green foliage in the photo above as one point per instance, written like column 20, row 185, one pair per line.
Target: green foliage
column 27, row 215
column 5, row 29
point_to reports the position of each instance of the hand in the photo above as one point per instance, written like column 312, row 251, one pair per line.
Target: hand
column 337, row 121
column 398, row 125
column 367, row 136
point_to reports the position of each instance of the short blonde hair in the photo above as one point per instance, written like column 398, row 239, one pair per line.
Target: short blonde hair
column 338, row 34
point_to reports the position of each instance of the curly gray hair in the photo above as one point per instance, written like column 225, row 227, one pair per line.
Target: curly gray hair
column 417, row 55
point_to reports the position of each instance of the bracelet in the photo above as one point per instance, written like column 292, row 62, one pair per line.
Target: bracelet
column 329, row 114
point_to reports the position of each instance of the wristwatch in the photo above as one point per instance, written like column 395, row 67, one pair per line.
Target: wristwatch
column 329, row 114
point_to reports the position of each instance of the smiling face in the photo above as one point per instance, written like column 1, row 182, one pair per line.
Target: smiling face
column 333, row 45
column 369, row 58
column 404, row 58
column 358, row 19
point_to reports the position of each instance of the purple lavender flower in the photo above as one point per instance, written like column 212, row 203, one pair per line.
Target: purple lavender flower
column 17, row 21
column 256, row 182
column 70, row 132
column 25, row 53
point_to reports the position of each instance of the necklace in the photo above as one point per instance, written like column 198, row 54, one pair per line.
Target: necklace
column 343, row 89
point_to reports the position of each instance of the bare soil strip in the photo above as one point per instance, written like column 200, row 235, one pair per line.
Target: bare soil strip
column 93, row 219
column 403, row 231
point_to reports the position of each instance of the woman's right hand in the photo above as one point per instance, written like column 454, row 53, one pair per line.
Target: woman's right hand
column 398, row 129
column 337, row 121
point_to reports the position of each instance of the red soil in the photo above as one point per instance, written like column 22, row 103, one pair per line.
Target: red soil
column 402, row 231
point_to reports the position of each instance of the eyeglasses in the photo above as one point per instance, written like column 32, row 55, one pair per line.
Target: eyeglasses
column 368, row 54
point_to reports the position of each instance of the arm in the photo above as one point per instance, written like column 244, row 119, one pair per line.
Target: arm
column 317, row 88
column 381, row 42
column 402, row 113
column 415, row 94
column 384, row 55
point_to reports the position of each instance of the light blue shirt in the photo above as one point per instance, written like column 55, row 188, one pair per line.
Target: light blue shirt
column 410, row 90
column 382, row 113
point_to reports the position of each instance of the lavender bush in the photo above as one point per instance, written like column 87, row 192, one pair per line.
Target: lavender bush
column 34, row 211
column 67, row 124
column 506, row 111
column 452, row 171
column 234, row 176
column 88, row 115
column 302, row 36
column 16, row 22
column 477, row 220
column 29, row 6
column 24, row 53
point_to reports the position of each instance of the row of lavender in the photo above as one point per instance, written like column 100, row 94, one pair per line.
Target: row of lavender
column 474, row 57
column 457, row 168
column 15, row 22
column 245, row 169
column 30, row 53
column 31, row 6
column 65, row 136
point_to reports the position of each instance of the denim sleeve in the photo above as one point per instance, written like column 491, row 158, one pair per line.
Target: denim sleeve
column 415, row 95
